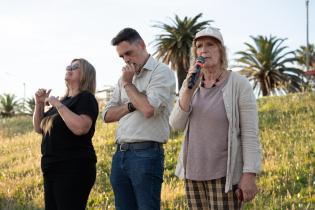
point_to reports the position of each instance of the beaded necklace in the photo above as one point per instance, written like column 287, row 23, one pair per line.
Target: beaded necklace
column 214, row 84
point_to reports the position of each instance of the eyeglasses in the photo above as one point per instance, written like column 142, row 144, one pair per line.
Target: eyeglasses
column 73, row 67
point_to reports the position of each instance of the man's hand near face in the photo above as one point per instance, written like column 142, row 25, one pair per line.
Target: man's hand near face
column 128, row 72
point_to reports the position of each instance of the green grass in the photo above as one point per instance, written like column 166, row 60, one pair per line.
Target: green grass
column 287, row 133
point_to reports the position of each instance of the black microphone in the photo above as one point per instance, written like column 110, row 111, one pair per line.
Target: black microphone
column 199, row 62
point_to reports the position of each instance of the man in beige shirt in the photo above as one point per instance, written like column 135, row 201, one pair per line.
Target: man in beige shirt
column 141, row 103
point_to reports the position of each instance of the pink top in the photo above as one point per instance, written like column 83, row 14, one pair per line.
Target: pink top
column 207, row 151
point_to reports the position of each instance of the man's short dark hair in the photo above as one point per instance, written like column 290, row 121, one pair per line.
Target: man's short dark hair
column 127, row 34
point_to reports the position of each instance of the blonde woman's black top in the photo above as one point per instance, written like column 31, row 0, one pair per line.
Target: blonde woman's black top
column 63, row 145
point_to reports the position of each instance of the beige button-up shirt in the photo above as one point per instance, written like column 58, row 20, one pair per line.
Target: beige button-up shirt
column 157, row 82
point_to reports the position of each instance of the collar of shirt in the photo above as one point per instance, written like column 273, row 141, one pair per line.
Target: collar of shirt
column 149, row 65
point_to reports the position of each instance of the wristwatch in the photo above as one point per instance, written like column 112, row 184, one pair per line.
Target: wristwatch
column 131, row 107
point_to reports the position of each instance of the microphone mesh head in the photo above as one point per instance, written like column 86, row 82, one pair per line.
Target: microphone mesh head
column 201, row 59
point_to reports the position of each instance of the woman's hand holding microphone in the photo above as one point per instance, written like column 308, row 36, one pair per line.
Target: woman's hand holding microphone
column 195, row 74
column 191, row 83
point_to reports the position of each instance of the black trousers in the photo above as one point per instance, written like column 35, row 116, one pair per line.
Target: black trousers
column 67, row 185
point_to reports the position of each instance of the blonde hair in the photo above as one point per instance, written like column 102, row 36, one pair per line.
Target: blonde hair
column 87, row 78
column 87, row 83
column 47, row 123
column 222, row 50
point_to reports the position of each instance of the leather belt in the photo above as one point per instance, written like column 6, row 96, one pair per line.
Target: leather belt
column 138, row 145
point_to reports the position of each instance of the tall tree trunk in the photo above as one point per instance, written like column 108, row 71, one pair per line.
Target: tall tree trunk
column 181, row 75
column 264, row 88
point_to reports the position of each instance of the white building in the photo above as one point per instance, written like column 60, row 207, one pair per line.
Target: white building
column 104, row 94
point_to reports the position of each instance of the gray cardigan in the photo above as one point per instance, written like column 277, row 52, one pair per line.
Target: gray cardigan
column 243, row 140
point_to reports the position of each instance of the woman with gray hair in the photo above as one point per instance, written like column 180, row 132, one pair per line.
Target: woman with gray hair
column 220, row 155
column 68, row 156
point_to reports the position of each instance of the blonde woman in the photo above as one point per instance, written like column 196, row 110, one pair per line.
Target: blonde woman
column 220, row 156
column 68, row 157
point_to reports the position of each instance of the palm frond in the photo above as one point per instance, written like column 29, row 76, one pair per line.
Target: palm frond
column 266, row 64
column 174, row 43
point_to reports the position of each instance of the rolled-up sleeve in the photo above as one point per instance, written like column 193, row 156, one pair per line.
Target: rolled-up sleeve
column 161, row 89
column 114, row 101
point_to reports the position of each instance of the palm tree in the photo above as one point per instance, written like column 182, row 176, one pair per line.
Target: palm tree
column 301, row 55
column 8, row 104
column 30, row 105
column 266, row 64
column 174, row 45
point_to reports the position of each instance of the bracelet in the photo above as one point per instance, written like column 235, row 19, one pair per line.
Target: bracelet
column 127, row 84
column 131, row 107
column 59, row 106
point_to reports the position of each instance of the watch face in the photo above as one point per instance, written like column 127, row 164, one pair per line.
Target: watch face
column 131, row 108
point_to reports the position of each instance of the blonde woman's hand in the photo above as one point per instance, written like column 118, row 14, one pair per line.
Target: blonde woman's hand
column 53, row 100
column 40, row 95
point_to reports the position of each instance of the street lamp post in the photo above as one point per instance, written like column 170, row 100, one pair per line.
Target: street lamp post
column 24, row 95
column 307, row 60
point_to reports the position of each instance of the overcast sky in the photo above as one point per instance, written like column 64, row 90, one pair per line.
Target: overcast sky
column 39, row 38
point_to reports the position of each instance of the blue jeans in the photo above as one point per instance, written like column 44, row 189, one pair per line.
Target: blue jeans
column 136, row 178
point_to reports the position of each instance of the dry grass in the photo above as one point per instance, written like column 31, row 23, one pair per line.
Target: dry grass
column 287, row 132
